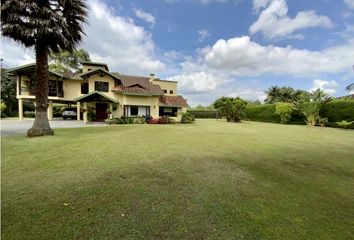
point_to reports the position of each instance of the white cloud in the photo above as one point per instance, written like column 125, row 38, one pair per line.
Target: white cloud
column 110, row 38
column 329, row 87
column 274, row 22
column 147, row 17
column 242, row 57
column 221, row 69
column 120, row 43
column 14, row 54
column 203, row 34
column 349, row 3
column 259, row 4
column 249, row 94
column 199, row 82
column 200, row 1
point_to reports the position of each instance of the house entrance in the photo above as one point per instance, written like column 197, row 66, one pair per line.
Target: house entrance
column 101, row 111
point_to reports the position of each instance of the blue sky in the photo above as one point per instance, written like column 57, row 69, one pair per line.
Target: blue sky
column 219, row 48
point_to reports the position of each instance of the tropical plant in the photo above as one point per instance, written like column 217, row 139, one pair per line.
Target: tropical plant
column 310, row 105
column 48, row 26
column 230, row 108
column 282, row 94
column 284, row 110
column 65, row 61
column 350, row 87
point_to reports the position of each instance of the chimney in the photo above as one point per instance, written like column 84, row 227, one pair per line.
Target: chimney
column 152, row 77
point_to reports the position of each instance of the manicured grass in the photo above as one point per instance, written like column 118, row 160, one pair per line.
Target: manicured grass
column 209, row 180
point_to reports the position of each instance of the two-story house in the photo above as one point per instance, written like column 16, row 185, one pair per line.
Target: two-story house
column 109, row 95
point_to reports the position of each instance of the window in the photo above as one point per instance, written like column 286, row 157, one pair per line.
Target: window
column 52, row 88
column 165, row 91
column 101, row 86
column 84, row 88
column 89, row 69
column 132, row 111
column 171, row 91
column 55, row 88
column 168, row 111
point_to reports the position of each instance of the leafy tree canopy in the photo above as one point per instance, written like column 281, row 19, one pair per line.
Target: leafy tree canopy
column 283, row 94
column 65, row 61
column 231, row 108
column 8, row 89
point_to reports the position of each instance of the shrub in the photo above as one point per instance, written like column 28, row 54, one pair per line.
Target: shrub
column 165, row 120
column 154, row 121
column 147, row 119
column 29, row 114
column 2, row 109
column 2, row 106
column 187, row 118
column 91, row 115
column 126, row 120
column 345, row 124
column 204, row 113
column 139, row 120
column 284, row 110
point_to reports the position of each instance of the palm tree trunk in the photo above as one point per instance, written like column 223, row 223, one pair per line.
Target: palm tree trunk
column 41, row 124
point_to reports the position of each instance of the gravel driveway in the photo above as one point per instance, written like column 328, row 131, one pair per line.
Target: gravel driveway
column 14, row 126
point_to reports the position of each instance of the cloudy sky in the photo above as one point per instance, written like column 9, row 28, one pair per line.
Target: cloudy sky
column 219, row 48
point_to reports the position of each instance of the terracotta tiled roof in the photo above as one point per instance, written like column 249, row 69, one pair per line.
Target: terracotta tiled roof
column 173, row 101
column 137, row 85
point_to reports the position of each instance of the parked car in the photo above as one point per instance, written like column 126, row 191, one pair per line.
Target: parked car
column 69, row 113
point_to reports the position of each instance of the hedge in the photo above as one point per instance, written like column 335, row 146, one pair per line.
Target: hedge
column 338, row 110
column 204, row 113
column 261, row 113
column 335, row 111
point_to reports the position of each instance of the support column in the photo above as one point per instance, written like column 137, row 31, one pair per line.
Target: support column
column 50, row 110
column 78, row 107
column 85, row 113
column 20, row 109
column 111, row 109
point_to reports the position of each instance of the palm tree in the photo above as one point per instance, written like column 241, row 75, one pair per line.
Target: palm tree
column 350, row 88
column 48, row 26
column 273, row 94
column 310, row 105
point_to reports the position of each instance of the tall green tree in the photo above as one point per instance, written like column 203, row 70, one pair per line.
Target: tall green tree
column 48, row 26
column 8, row 90
column 230, row 108
column 65, row 61
column 282, row 94
column 310, row 105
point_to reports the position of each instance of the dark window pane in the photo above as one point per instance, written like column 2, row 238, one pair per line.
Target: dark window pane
column 52, row 88
column 134, row 110
column 84, row 88
column 165, row 91
column 171, row 91
column 101, row 86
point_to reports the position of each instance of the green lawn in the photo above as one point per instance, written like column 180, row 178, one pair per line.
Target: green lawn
column 209, row 180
